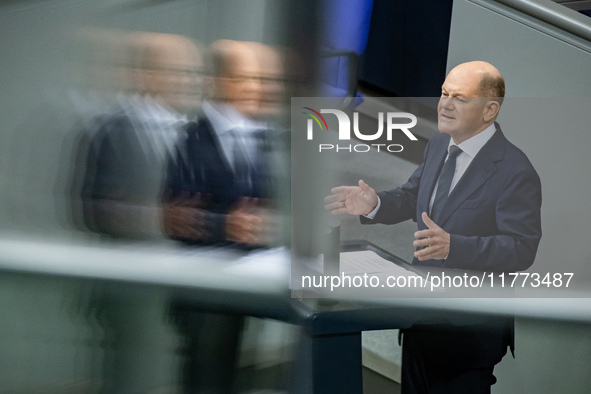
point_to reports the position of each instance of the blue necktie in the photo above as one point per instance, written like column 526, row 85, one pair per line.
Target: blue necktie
column 445, row 178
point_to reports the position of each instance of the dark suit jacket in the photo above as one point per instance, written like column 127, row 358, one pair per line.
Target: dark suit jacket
column 492, row 214
column 493, row 218
column 124, row 174
column 201, row 167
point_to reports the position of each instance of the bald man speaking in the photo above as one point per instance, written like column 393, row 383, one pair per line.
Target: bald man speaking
column 476, row 200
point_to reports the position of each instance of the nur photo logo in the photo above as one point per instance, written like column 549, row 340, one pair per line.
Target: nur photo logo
column 394, row 121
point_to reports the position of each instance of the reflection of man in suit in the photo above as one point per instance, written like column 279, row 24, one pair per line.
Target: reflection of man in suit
column 133, row 146
column 483, row 213
column 217, row 187
column 123, row 186
column 215, row 195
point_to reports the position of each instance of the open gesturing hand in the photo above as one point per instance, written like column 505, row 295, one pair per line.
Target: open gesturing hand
column 435, row 240
column 354, row 200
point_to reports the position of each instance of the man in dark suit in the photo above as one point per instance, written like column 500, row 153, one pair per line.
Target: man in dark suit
column 476, row 199
column 217, row 193
column 217, row 188
column 125, row 173
column 127, row 162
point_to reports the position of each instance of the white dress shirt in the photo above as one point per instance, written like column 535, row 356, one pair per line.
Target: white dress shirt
column 229, row 124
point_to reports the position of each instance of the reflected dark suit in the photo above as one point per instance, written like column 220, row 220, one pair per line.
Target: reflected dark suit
column 493, row 218
column 201, row 167
column 123, row 180
column 124, row 175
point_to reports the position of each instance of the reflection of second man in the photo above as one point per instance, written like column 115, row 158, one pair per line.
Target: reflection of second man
column 219, row 189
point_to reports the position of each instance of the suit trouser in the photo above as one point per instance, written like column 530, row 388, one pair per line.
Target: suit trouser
column 451, row 359
column 211, row 350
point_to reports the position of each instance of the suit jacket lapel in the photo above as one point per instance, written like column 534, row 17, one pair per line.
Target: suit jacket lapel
column 213, row 146
column 477, row 173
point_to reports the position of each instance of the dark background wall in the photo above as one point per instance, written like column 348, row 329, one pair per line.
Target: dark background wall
column 406, row 53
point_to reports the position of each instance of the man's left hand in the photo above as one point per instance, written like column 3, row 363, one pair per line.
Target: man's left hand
column 434, row 240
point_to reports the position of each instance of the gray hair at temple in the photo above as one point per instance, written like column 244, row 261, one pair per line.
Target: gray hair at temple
column 492, row 86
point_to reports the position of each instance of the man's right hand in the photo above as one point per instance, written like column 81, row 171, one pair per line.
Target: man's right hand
column 354, row 200
column 249, row 223
column 184, row 218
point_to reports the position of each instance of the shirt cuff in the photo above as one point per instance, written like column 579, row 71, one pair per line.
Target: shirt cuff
column 373, row 213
